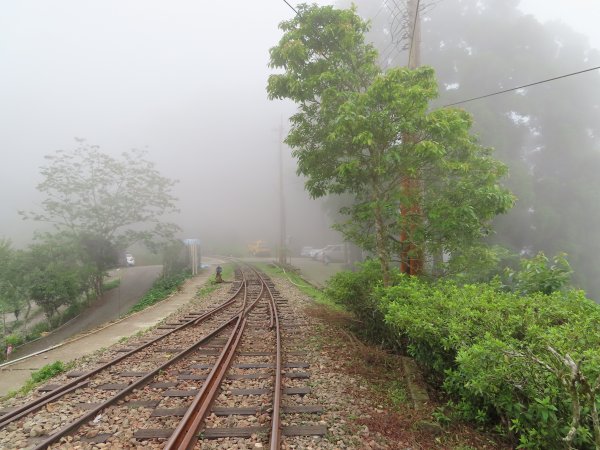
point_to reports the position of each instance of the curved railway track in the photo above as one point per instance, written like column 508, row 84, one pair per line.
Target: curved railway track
column 175, row 389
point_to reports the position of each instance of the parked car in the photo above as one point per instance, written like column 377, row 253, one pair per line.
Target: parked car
column 315, row 253
column 333, row 253
column 129, row 260
column 306, row 251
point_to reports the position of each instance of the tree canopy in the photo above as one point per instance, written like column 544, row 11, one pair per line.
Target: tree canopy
column 106, row 203
column 548, row 135
column 363, row 131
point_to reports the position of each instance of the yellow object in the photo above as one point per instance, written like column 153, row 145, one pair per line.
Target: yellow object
column 259, row 248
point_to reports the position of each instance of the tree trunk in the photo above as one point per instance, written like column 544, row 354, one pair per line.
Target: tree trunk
column 26, row 318
column 382, row 251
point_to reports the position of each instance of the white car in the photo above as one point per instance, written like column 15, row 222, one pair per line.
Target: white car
column 129, row 259
column 315, row 253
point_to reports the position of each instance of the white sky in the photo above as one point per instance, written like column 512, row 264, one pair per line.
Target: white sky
column 581, row 15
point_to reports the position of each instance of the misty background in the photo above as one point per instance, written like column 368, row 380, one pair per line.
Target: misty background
column 183, row 80
column 186, row 81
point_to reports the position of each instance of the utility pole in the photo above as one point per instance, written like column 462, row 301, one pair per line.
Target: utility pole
column 414, row 53
column 282, row 241
column 411, row 257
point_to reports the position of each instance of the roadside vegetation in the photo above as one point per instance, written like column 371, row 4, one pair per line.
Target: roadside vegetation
column 161, row 289
column 292, row 276
column 40, row 376
column 519, row 357
column 99, row 206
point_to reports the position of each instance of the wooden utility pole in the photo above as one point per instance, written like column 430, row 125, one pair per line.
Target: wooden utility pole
column 282, row 241
column 414, row 52
column 410, row 256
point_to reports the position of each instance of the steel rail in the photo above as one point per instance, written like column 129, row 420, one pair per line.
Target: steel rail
column 275, row 440
column 137, row 384
column 37, row 404
column 185, row 435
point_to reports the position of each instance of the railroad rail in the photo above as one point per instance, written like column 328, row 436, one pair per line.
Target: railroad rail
column 225, row 346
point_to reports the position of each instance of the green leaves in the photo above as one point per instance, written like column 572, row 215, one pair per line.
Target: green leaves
column 365, row 132
column 539, row 274
column 105, row 203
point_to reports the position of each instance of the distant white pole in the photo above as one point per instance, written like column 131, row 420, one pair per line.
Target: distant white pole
column 282, row 242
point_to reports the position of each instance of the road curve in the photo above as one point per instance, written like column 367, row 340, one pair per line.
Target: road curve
column 135, row 281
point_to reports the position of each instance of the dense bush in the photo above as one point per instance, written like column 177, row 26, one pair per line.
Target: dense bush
column 356, row 291
column 527, row 364
column 520, row 361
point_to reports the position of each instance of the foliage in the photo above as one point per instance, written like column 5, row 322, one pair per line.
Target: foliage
column 104, row 202
column 173, row 257
column 356, row 292
column 492, row 352
column 364, row 132
column 479, row 263
column 527, row 364
column 548, row 135
column 43, row 374
column 107, row 286
column 48, row 371
column 161, row 289
column 56, row 276
column 539, row 274
column 13, row 295
column 274, row 270
column 13, row 339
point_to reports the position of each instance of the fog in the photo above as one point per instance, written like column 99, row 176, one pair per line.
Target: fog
column 548, row 134
column 184, row 80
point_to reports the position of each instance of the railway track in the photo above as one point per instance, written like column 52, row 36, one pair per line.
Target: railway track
column 230, row 372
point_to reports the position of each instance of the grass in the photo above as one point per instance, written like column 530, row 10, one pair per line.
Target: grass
column 161, row 289
column 303, row 285
column 107, row 286
column 212, row 285
column 39, row 376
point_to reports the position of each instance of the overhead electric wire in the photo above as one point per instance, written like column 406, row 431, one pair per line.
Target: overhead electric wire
column 522, row 86
column 293, row 9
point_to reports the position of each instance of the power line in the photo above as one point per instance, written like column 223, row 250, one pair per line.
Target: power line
column 522, row 87
column 293, row 9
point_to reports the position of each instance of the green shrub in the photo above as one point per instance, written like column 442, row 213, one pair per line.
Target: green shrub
column 161, row 289
column 525, row 364
column 504, row 358
column 108, row 285
column 48, row 371
column 13, row 339
column 357, row 292
column 44, row 373
column 36, row 331
column 539, row 274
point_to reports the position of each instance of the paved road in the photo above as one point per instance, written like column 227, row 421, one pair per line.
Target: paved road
column 135, row 282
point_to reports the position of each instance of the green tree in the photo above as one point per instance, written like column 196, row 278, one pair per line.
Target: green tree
column 104, row 202
column 350, row 135
column 58, row 274
column 548, row 135
column 12, row 298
